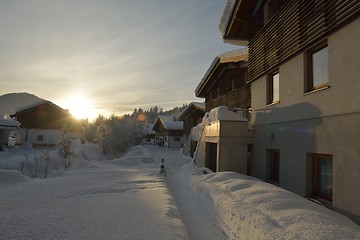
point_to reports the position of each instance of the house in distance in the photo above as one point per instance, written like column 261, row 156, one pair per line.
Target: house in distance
column 168, row 132
column 41, row 123
column 191, row 116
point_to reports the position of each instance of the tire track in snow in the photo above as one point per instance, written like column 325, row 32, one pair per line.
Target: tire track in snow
column 196, row 211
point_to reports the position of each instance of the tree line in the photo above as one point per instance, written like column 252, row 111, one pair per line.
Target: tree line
column 117, row 133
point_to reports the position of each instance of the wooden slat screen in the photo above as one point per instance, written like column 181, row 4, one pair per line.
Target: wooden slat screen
column 239, row 98
column 297, row 25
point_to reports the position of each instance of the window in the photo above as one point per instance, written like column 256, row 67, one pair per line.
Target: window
column 40, row 138
column 322, row 176
column 273, row 165
column 273, row 87
column 176, row 139
column 317, row 67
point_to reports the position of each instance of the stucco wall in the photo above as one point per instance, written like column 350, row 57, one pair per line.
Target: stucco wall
column 326, row 122
column 232, row 138
column 50, row 136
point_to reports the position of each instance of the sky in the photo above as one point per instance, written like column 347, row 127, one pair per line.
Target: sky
column 109, row 56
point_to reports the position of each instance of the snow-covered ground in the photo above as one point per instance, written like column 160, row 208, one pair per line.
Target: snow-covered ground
column 127, row 198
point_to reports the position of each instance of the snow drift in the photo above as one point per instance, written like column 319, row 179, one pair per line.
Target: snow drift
column 251, row 209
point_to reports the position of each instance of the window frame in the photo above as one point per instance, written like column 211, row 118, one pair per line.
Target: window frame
column 270, row 87
column 40, row 138
column 314, row 176
column 271, row 172
column 309, row 83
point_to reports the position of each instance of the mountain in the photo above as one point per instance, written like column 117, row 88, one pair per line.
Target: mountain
column 11, row 101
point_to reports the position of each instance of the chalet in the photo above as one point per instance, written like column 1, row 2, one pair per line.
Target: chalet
column 7, row 127
column 225, row 140
column 168, row 132
column 148, row 134
column 304, row 73
column 224, row 83
column 191, row 116
column 41, row 122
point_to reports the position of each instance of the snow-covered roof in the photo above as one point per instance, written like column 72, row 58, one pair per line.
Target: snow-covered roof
column 235, row 24
column 192, row 105
column 148, row 128
column 169, row 122
column 223, row 113
column 9, row 123
column 29, row 106
column 240, row 55
column 226, row 16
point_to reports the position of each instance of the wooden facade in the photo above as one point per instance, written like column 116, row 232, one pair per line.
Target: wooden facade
column 43, row 115
column 168, row 132
column 225, row 83
column 282, row 28
column 191, row 116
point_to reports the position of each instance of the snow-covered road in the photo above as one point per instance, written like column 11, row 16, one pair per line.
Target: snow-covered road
column 196, row 210
column 119, row 199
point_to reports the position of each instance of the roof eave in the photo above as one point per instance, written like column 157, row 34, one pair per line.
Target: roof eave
column 199, row 89
column 236, row 21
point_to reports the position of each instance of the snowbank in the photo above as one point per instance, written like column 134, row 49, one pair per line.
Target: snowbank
column 251, row 209
column 12, row 176
column 9, row 122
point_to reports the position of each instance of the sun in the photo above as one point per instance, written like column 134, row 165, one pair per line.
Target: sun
column 80, row 106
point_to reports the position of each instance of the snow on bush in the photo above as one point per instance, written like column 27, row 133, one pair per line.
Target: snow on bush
column 42, row 162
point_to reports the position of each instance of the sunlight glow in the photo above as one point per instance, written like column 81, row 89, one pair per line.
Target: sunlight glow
column 80, row 106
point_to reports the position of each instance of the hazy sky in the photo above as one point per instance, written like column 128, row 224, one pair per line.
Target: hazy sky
column 117, row 54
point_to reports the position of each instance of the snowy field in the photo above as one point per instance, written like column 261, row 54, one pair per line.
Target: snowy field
column 127, row 198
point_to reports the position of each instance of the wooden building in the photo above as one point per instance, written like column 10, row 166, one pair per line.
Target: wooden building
column 304, row 72
column 191, row 116
column 41, row 122
column 168, row 132
column 225, row 82
column 225, row 141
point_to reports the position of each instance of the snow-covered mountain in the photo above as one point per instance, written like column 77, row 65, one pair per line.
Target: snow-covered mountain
column 11, row 101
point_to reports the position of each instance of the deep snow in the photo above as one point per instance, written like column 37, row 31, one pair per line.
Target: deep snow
column 127, row 198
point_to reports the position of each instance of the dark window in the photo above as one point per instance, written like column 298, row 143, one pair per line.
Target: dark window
column 317, row 67
column 176, row 139
column 322, row 175
column 273, row 165
column 273, row 87
column 40, row 138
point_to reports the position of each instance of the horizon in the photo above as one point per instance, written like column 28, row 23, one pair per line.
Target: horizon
column 109, row 57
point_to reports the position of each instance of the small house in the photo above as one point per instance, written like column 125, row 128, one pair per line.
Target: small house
column 7, row 127
column 191, row 116
column 41, row 122
column 148, row 133
column 168, row 132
